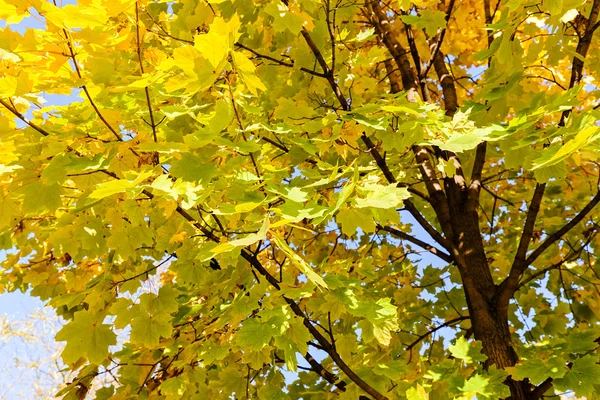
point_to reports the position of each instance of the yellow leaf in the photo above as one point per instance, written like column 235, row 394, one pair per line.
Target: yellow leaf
column 8, row 56
column 13, row 11
column 248, row 240
column 246, row 69
column 8, row 152
column 9, row 209
column 180, row 236
column 15, row 86
column 213, row 46
column 113, row 117
column 299, row 262
column 230, row 28
column 115, row 7
column 76, row 16
column 146, row 80
column 118, row 186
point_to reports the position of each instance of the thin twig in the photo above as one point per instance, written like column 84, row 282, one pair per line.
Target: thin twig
column 437, row 328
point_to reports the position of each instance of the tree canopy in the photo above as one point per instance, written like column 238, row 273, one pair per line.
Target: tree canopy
column 316, row 199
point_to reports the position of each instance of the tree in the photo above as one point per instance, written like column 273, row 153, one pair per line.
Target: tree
column 30, row 364
column 390, row 200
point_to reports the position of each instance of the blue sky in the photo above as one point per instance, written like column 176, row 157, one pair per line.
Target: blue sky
column 18, row 307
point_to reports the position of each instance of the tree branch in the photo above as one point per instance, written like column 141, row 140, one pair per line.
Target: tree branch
column 393, row 74
column 410, row 207
column 85, row 89
column 402, row 235
column 509, row 285
column 152, row 124
column 437, row 44
column 323, row 342
column 378, row 159
column 566, row 228
column 414, row 52
column 263, row 56
column 520, row 264
column 146, row 271
column 541, row 272
column 539, row 391
column 446, row 81
column 475, row 185
column 328, row 376
column 383, row 27
column 415, row 192
column 241, row 46
column 328, row 73
column 279, row 62
column 437, row 328
column 434, row 189
column 17, row 114
column 273, row 143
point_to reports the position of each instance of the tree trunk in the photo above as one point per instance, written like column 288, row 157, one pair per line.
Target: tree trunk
column 490, row 324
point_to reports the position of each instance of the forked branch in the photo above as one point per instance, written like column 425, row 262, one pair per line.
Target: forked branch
column 405, row 236
column 85, row 89
column 521, row 262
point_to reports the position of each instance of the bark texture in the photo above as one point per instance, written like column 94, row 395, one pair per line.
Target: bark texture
column 455, row 200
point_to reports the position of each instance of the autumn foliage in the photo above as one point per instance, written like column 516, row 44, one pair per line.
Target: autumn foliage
column 317, row 199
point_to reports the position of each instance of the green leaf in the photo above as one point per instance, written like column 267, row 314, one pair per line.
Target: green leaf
column 153, row 316
column 246, row 69
column 246, row 241
column 351, row 218
column 475, row 385
column 43, row 198
column 582, row 377
column 417, row 393
column 364, row 35
column 582, row 139
column 553, row 6
column 537, row 370
column 118, row 186
column 147, row 329
column 581, row 341
column 284, row 19
column 468, row 352
column 545, row 174
column 428, row 19
column 292, row 342
column 379, row 196
column 192, row 168
column 86, row 336
column 459, row 142
column 384, row 318
column 174, row 388
column 299, row 262
column 224, row 114
column 9, row 209
column 378, row 123
column 381, row 316
column 255, row 334
column 295, row 194
column 294, row 212
column 213, row 46
column 163, row 147
column 446, row 167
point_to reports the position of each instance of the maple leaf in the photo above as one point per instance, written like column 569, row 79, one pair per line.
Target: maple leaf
column 86, row 336
column 218, row 183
